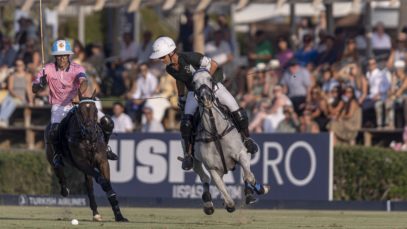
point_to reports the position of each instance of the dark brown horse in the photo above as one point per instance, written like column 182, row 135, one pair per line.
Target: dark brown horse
column 84, row 147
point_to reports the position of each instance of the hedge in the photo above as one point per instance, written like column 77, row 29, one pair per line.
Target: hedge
column 360, row 173
column 369, row 173
column 28, row 172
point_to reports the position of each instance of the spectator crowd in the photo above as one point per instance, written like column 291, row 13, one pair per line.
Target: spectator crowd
column 306, row 82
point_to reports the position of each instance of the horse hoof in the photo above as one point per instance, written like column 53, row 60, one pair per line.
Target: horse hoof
column 230, row 209
column 251, row 200
column 97, row 218
column 209, row 210
column 121, row 219
column 64, row 191
column 266, row 189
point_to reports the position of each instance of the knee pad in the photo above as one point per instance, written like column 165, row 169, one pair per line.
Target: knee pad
column 107, row 124
column 186, row 127
column 241, row 119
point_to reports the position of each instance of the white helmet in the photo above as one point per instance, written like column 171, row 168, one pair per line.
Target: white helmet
column 162, row 46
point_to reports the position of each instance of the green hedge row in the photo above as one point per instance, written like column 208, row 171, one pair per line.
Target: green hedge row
column 369, row 173
column 23, row 172
column 360, row 173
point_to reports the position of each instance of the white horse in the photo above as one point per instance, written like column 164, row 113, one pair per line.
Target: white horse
column 219, row 147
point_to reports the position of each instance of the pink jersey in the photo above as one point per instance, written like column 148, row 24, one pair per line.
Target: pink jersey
column 63, row 85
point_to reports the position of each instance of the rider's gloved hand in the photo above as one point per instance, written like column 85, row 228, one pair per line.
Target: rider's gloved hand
column 181, row 103
column 43, row 80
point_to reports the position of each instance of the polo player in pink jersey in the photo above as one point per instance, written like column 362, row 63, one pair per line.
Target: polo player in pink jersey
column 64, row 78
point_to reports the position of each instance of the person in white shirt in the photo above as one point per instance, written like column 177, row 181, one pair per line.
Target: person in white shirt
column 380, row 39
column 379, row 86
column 218, row 49
column 128, row 49
column 145, row 87
column 122, row 122
column 150, row 125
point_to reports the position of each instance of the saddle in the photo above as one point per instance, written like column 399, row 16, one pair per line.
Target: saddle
column 65, row 121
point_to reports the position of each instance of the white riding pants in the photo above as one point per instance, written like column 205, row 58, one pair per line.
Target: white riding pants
column 221, row 93
column 59, row 112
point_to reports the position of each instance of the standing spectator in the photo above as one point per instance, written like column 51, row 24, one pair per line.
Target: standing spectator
column 296, row 82
column 19, row 89
column 145, row 87
column 378, row 89
column 129, row 48
column 398, row 93
column 145, row 48
column 151, row 125
column 122, row 122
column 380, row 39
column 347, row 123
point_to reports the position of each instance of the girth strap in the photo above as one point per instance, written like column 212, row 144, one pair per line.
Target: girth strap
column 211, row 139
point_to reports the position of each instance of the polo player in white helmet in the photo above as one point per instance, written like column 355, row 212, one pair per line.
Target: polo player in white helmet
column 181, row 66
column 64, row 78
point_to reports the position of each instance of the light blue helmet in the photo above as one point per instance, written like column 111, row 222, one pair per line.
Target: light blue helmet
column 61, row 47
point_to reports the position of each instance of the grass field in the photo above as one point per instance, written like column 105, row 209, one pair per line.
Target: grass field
column 52, row 217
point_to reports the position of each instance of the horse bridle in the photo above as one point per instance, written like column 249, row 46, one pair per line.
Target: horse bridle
column 82, row 128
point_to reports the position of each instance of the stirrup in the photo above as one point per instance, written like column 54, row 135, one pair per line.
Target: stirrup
column 57, row 160
column 251, row 145
column 187, row 163
column 110, row 155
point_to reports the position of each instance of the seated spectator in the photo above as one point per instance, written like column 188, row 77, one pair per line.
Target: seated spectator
column 334, row 99
column 145, row 48
column 122, row 122
column 327, row 81
column 348, row 122
column 307, row 124
column 19, row 89
column 145, row 87
column 128, row 49
column 290, row 123
column 284, row 54
column 307, row 53
column 380, row 39
column 398, row 52
column 350, row 55
column 150, row 125
column 219, row 50
column 357, row 81
column 7, row 54
column 268, row 117
column 262, row 52
column 317, row 105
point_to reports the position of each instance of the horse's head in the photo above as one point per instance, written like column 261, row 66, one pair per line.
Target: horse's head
column 87, row 115
column 203, row 87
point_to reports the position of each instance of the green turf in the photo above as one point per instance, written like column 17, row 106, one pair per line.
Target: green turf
column 51, row 217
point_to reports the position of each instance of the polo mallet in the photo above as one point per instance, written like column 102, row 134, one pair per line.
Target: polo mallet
column 42, row 41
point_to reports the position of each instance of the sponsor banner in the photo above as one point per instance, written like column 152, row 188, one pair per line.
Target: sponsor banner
column 297, row 166
column 30, row 200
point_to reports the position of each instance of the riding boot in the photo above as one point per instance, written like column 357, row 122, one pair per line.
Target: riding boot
column 54, row 141
column 242, row 124
column 107, row 125
column 186, row 132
